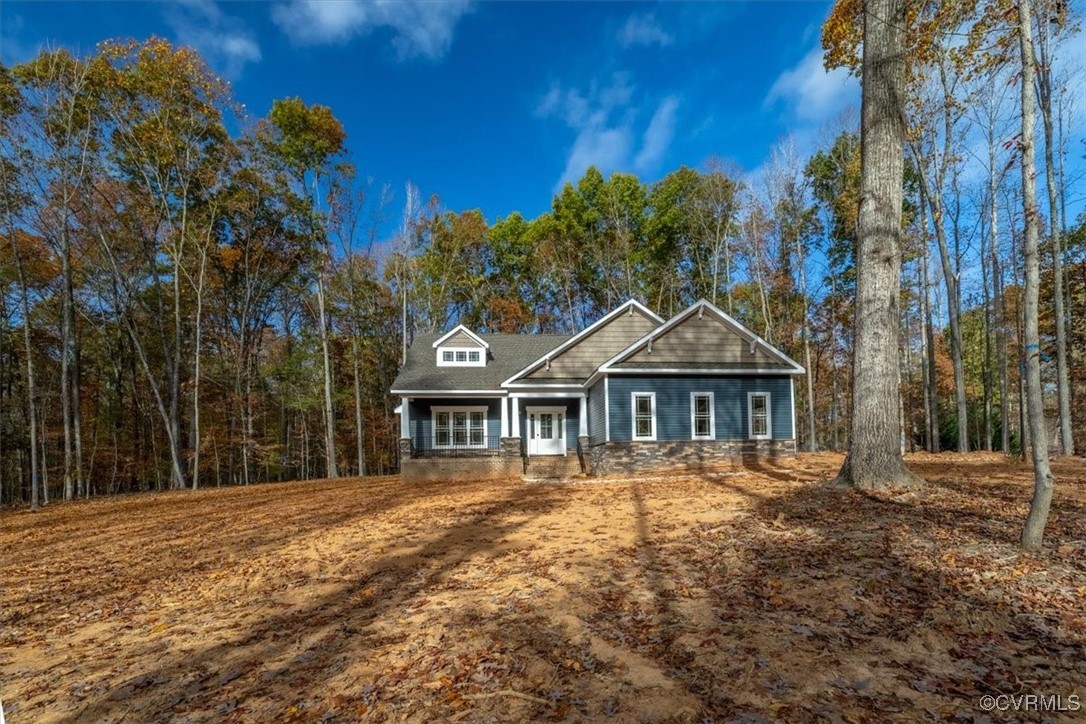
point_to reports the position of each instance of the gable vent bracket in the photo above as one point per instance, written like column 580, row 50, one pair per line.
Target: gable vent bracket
column 650, row 346
column 549, row 363
column 753, row 345
column 701, row 311
column 629, row 311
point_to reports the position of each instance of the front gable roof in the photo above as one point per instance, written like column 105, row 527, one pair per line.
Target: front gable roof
column 578, row 357
column 702, row 338
column 462, row 331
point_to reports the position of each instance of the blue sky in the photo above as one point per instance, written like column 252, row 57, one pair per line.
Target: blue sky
column 492, row 105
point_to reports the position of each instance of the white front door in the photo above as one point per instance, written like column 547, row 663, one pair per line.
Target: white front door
column 546, row 431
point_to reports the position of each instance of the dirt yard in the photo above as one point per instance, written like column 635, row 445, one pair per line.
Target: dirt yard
column 750, row 595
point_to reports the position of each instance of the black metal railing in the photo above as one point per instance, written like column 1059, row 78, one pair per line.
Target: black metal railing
column 435, row 449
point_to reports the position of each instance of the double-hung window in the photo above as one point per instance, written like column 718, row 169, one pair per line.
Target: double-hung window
column 644, row 415
column 759, row 422
column 702, row 416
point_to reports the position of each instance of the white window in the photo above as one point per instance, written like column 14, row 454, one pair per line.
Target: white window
column 643, row 405
column 460, row 357
column 758, row 420
column 702, row 416
column 459, row 426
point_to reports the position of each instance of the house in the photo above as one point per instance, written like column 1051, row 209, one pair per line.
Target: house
column 632, row 392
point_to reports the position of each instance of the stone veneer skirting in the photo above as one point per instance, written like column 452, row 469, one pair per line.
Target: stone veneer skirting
column 604, row 459
column 634, row 457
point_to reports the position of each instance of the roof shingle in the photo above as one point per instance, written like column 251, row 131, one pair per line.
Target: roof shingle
column 509, row 354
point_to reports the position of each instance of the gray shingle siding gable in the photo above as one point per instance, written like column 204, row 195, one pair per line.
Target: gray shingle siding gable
column 673, row 404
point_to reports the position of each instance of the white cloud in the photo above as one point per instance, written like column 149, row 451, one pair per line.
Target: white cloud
column 643, row 29
column 812, row 93
column 605, row 121
column 658, row 135
column 421, row 28
column 224, row 41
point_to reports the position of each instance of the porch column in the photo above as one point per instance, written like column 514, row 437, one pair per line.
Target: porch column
column 505, row 417
column 405, row 421
column 516, row 417
column 583, row 416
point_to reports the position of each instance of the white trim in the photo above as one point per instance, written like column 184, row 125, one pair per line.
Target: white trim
column 451, row 393
column 516, row 417
column 505, row 418
column 768, row 416
column 398, row 409
column 582, row 416
column 702, row 306
column 405, row 417
column 792, row 395
column 712, row 416
column 461, row 328
column 629, row 304
column 466, row 362
column 530, row 410
column 537, row 394
column 633, row 416
column 702, row 371
column 434, row 410
column 606, row 410
column 546, row 385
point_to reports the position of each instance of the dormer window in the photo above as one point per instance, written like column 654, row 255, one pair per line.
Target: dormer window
column 462, row 357
column 461, row 348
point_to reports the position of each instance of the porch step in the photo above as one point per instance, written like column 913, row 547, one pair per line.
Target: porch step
column 553, row 467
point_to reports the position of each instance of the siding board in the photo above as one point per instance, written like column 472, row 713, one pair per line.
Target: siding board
column 582, row 359
column 673, row 404
column 707, row 341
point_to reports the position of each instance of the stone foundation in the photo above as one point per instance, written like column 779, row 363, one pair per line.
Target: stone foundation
column 635, row 457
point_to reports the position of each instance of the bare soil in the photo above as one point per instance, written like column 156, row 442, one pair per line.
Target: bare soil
column 752, row 594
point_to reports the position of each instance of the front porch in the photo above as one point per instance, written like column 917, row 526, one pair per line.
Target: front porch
column 482, row 437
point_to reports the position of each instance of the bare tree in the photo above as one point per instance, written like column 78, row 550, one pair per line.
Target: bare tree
column 1034, row 528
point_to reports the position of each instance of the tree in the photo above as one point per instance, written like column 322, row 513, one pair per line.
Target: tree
column 307, row 139
column 1034, row 528
column 874, row 456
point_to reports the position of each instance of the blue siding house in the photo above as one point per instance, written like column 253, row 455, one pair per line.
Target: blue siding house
column 630, row 393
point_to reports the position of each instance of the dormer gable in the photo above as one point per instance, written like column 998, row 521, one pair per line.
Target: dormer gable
column 460, row 347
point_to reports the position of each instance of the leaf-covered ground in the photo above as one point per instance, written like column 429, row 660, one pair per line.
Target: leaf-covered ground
column 754, row 594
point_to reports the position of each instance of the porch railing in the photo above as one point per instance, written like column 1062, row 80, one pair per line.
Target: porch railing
column 430, row 449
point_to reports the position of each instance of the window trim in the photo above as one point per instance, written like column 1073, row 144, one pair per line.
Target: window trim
column 434, row 410
column 457, row 353
column 768, row 416
column 633, row 416
column 693, row 416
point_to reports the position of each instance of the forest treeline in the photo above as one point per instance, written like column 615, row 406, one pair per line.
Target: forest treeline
column 192, row 297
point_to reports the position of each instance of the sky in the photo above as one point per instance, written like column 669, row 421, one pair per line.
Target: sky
column 494, row 105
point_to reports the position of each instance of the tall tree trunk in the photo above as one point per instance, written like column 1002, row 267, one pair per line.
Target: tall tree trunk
column 199, row 332
column 997, row 294
column 360, row 433
column 812, row 439
column 954, row 307
column 1034, row 528
column 329, row 413
column 1063, row 383
column 931, row 389
column 874, row 458
column 31, row 380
